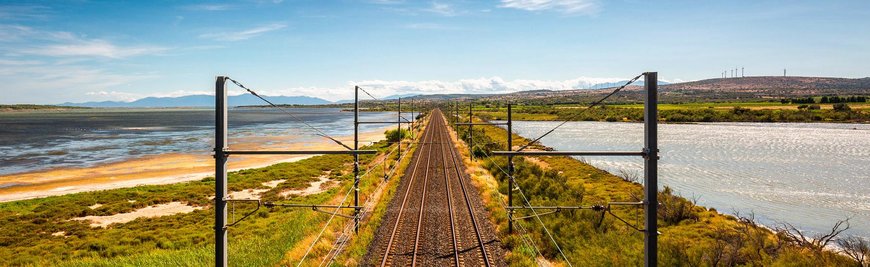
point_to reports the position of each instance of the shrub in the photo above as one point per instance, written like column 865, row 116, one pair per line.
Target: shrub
column 816, row 243
column 842, row 107
column 165, row 244
column 673, row 209
column 395, row 135
column 740, row 110
column 856, row 248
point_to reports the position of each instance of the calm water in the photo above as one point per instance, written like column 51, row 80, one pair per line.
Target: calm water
column 810, row 175
column 41, row 140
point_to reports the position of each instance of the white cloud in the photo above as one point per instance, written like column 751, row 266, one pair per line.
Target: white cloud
column 130, row 97
column 114, row 95
column 23, row 12
column 182, row 93
column 178, row 20
column 92, row 48
column 485, row 85
column 208, row 7
column 38, row 82
column 12, row 33
column 30, row 41
column 425, row 26
column 490, row 85
column 378, row 88
column 442, row 9
column 12, row 63
column 52, row 65
column 386, row 2
column 563, row 6
column 244, row 34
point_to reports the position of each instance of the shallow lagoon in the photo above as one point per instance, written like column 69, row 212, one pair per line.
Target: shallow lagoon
column 33, row 141
column 807, row 174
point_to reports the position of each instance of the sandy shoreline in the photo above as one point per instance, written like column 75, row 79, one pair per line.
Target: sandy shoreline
column 160, row 169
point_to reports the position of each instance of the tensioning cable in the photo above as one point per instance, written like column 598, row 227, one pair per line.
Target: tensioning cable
column 581, row 112
column 319, row 132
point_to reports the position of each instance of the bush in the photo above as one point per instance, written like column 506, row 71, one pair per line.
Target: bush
column 395, row 135
column 818, row 242
column 842, row 107
column 814, row 107
column 740, row 110
column 856, row 248
column 165, row 244
column 674, row 209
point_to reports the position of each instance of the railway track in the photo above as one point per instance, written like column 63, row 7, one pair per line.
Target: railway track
column 435, row 217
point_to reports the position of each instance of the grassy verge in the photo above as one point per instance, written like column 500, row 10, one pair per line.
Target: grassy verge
column 689, row 112
column 691, row 235
column 26, row 107
column 359, row 245
column 41, row 232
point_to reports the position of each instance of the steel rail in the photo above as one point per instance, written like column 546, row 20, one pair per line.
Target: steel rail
column 449, row 200
column 404, row 202
column 422, row 204
column 368, row 205
column 470, row 208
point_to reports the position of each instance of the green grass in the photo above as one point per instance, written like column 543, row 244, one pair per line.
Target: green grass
column 688, row 112
column 26, row 226
column 358, row 247
column 36, row 107
column 262, row 249
column 691, row 235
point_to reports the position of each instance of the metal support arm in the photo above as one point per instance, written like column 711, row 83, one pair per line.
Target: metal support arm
column 569, row 153
column 297, row 152
column 482, row 123
column 382, row 122
column 259, row 203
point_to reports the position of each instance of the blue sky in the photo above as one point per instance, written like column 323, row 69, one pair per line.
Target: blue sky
column 58, row 51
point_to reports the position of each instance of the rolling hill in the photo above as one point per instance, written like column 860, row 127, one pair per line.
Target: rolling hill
column 719, row 89
column 203, row 101
column 703, row 90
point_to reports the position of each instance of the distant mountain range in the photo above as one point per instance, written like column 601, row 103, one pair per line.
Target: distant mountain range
column 203, row 101
column 710, row 89
column 777, row 84
column 620, row 83
column 364, row 97
column 720, row 89
column 208, row 101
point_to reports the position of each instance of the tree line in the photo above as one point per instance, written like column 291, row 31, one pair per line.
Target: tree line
column 824, row 100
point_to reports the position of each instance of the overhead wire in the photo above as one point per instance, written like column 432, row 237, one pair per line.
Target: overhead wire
column 369, row 170
column 336, row 250
column 535, row 213
column 325, row 135
column 339, row 245
column 524, row 235
column 367, row 92
column 319, row 132
column 378, row 99
column 319, row 235
column 582, row 111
